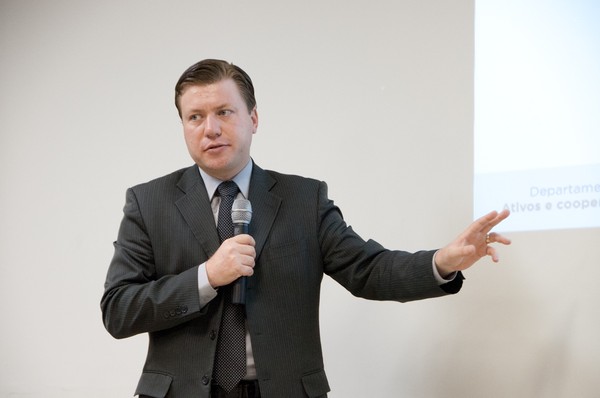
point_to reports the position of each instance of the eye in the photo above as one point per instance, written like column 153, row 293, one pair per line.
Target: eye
column 225, row 112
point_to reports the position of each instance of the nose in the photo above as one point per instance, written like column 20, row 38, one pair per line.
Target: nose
column 212, row 127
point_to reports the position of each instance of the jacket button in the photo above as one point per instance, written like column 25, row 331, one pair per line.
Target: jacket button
column 205, row 380
column 212, row 335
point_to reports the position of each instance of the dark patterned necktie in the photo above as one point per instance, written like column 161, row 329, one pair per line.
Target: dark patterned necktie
column 230, row 359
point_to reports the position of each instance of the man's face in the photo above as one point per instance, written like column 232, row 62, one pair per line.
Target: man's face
column 218, row 127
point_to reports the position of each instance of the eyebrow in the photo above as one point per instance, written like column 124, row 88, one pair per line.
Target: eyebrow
column 216, row 108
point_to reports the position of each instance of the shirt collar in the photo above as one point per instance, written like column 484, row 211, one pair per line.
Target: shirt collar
column 242, row 179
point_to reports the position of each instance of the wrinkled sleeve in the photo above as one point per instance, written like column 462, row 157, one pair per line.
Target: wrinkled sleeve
column 135, row 300
column 367, row 269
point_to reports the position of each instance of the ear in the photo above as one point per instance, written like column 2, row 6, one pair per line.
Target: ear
column 254, row 118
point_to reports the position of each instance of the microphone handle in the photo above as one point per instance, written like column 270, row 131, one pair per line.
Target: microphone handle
column 240, row 228
column 238, row 291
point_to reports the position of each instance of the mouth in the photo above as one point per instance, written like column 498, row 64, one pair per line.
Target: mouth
column 215, row 147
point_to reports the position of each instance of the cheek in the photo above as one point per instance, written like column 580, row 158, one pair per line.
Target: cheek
column 191, row 135
column 192, row 140
column 245, row 142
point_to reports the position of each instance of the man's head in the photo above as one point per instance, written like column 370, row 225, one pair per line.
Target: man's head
column 216, row 104
column 210, row 71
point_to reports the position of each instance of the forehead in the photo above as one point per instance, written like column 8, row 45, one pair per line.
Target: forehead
column 223, row 92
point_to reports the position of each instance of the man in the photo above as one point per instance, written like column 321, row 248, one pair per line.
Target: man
column 174, row 265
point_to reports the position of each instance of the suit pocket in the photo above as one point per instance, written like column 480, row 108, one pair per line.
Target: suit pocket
column 316, row 384
column 155, row 385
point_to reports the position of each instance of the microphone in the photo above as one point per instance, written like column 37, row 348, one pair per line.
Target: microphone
column 241, row 214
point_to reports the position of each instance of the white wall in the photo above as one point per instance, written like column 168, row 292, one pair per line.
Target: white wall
column 357, row 93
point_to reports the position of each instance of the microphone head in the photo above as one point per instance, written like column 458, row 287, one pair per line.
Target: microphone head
column 241, row 211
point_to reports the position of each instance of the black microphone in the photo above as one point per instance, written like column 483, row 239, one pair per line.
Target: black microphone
column 241, row 214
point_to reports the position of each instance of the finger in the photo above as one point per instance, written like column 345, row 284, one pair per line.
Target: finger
column 486, row 223
column 246, row 269
column 248, row 251
column 499, row 218
column 482, row 224
column 493, row 254
column 244, row 239
column 497, row 238
column 247, row 261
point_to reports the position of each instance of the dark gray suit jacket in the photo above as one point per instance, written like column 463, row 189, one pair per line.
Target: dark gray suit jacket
column 168, row 229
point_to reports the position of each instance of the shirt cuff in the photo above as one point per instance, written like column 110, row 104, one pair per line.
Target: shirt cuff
column 437, row 275
column 205, row 291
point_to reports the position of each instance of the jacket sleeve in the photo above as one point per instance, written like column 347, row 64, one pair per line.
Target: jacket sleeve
column 137, row 298
column 367, row 269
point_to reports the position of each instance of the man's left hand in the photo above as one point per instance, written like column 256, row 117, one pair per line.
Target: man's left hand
column 472, row 245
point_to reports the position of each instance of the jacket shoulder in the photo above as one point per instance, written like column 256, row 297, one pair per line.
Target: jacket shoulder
column 168, row 180
column 293, row 180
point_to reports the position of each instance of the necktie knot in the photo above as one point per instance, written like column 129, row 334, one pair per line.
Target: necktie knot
column 228, row 188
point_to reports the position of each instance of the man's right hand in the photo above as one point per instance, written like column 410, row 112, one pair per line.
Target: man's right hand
column 234, row 258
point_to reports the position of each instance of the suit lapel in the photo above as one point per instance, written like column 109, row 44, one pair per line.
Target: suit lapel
column 264, row 206
column 195, row 209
